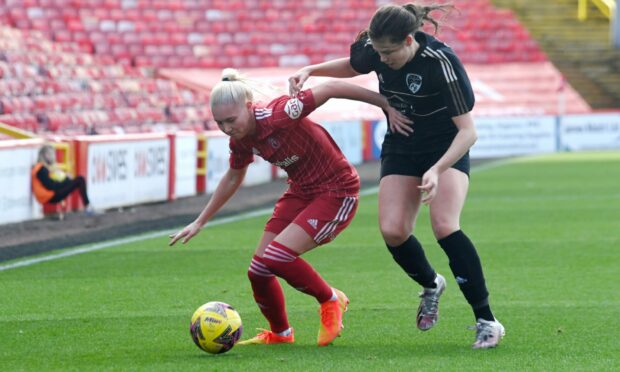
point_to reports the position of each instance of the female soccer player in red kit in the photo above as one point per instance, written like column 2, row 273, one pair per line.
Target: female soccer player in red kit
column 320, row 202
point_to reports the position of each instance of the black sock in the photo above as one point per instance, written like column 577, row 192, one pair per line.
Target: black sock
column 410, row 256
column 465, row 265
column 484, row 313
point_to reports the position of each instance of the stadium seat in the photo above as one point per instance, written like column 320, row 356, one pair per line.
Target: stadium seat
column 207, row 23
column 100, row 55
column 78, row 93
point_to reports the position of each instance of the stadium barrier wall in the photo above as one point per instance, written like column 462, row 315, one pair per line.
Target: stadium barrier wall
column 590, row 132
column 125, row 170
column 17, row 203
column 497, row 137
column 524, row 135
column 183, row 159
column 260, row 171
column 514, row 136
column 374, row 131
column 348, row 136
column 217, row 159
column 122, row 170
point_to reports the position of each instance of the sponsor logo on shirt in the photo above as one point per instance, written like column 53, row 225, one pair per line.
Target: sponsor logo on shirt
column 414, row 82
column 286, row 162
column 293, row 108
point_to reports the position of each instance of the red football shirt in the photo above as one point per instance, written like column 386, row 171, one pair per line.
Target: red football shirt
column 286, row 138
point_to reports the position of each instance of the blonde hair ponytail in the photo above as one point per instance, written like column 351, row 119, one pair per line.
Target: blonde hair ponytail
column 237, row 88
column 231, row 90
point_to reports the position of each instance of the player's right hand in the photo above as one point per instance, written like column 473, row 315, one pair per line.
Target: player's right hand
column 187, row 233
column 296, row 82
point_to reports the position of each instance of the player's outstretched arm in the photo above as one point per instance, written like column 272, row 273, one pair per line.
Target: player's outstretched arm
column 462, row 142
column 226, row 188
column 340, row 89
column 337, row 68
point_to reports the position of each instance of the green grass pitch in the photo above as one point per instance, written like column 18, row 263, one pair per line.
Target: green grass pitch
column 547, row 230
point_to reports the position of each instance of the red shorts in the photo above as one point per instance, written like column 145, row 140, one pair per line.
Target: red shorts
column 322, row 217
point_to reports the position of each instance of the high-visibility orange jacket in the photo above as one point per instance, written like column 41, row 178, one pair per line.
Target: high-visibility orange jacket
column 42, row 193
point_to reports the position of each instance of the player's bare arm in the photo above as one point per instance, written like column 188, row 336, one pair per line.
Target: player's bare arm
column 338, row 68
column 340, row 89
column 226, row 188
column 464, row 140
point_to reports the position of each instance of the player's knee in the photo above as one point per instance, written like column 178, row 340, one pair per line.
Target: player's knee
column 254, row 277
column 394, row 234
column 271, row 264
column 443, row 228
column 277, row 257
column 251, row 274
column 274, row 266
column 258, row 270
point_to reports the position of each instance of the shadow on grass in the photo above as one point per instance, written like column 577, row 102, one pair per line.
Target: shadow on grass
column 360, row 351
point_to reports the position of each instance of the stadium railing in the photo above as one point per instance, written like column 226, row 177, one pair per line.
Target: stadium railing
column 201, row 163
column 14, row 132
column 606, row 7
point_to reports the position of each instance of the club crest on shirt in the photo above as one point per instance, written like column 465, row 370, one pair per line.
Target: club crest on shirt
column 273, row 142
column 293, row 108
column 414, row 82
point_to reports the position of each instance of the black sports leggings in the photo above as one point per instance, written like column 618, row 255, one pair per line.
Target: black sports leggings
column 68, row 187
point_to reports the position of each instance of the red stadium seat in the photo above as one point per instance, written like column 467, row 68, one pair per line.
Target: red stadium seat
column 131, row 39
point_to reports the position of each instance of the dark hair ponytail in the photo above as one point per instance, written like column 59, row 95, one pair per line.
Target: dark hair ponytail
column 395, row 22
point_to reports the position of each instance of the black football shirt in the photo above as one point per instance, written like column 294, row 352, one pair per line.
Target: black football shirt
column 430, row 89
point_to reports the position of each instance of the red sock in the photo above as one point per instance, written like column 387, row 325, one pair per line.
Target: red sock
column 286, row 264
column 268, row 295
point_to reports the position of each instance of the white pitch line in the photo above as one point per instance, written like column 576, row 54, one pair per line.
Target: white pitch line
column 156, row 234
column 112, row 243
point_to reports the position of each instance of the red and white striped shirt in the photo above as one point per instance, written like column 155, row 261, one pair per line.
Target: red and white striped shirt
column 285, row 137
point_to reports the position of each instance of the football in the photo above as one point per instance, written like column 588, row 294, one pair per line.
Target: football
column 58, row 175
column 215, row 327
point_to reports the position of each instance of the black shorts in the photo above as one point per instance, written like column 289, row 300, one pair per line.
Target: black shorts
column 416, row 165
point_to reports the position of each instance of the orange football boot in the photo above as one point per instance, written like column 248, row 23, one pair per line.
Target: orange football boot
column 267, row 337
column 331, row 318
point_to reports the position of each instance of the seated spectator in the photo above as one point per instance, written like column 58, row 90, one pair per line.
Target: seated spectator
column 51, row 185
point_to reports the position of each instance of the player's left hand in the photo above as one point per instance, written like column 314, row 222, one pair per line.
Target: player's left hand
column 187, row 233
column 430, row 181
column 399, row 123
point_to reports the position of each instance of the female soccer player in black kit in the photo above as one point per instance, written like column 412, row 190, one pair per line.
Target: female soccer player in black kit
column 425, row 160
